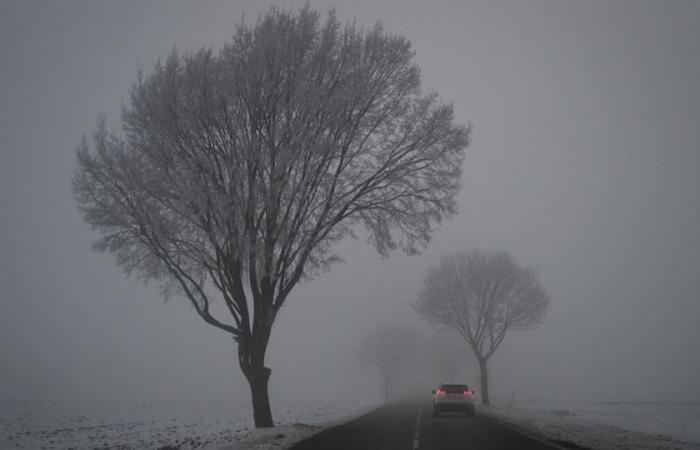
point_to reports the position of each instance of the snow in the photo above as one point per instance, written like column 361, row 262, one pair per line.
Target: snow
column 228, row 426
column 606, row 425
column 286, row 434
column 149, row 426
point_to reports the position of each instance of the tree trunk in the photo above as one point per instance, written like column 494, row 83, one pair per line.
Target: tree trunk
column 484, row 382
column 262, row 414
column 251, row 357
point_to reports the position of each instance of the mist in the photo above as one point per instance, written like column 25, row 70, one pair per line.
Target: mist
column 583, row 164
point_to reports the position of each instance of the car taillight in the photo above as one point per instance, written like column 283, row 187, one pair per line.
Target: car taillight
column 440, row 392
column 467, row 392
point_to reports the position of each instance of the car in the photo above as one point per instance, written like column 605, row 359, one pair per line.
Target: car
column 453, row 397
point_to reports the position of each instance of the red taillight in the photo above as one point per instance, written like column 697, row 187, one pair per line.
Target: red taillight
column 468, row 392
column 440, row 392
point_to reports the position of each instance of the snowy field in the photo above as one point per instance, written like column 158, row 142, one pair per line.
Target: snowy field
column 52, row 427
column 607, row 425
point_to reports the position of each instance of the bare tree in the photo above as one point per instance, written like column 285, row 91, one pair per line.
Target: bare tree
column 482, row 296
column 388, row 349
column 441, row 356
column 235, row 173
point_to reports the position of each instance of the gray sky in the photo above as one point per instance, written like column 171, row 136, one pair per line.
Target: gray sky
column 584, row 164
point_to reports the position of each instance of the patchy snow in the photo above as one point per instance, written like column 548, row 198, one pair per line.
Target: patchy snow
column 638, row 426
column 297, row 428
column 606, row 425
column 184, row 427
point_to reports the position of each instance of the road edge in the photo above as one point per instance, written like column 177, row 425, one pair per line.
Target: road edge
column 531, row 434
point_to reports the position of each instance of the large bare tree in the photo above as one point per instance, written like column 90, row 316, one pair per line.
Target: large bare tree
column 236, row 172
column 482, row 296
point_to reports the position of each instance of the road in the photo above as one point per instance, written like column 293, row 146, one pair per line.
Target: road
column 409, row 425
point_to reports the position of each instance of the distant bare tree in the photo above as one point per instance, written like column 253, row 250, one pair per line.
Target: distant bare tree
column 442, row 356
column 482, row 296
column 388, row 349
column 236, row 173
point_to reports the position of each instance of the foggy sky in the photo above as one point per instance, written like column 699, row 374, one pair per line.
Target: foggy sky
column 584, row 164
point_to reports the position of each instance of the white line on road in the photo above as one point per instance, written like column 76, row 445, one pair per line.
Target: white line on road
column 416, row 438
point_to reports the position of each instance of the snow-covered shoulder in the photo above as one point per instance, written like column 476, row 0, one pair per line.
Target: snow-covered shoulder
column 298, row 424
column 605, row 425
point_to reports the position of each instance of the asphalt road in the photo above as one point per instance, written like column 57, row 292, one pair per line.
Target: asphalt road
column 409, row 425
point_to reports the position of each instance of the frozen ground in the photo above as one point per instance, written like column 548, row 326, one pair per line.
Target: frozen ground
column 54, row 427
column 624, row 426
column 607, row 425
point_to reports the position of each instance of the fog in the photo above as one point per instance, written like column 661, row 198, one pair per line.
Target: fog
column 584, row 164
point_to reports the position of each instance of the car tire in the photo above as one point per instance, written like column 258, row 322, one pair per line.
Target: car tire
column 469, row 412
column 436, row 413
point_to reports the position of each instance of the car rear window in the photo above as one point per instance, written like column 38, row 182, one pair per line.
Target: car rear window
column 454, row 388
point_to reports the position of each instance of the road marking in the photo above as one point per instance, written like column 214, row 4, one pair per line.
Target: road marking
column 416, row 438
